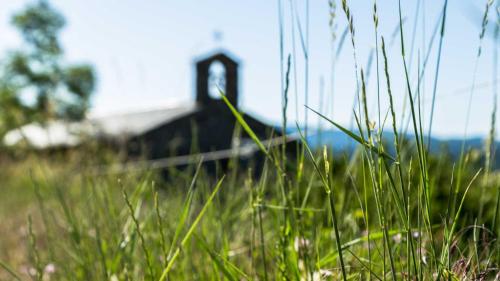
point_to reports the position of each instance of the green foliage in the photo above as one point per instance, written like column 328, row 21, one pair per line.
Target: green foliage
column 55, row 89
column 39, row 25
column 138, row 226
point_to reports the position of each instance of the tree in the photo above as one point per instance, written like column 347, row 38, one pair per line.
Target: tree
column 57, row 90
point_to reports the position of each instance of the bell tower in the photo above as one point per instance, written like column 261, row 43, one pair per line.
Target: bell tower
column 217, row 71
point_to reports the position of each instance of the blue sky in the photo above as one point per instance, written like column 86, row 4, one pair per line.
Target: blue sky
column 143, row 53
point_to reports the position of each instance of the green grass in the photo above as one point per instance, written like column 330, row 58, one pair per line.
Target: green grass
column 388, row 211
column 193, row 226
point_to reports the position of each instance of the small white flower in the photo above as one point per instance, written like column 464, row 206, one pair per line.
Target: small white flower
column 322, row 274
column 325, row 272
column 32, row 271
column 300, row 243
column 397, row 238
column 49, row 268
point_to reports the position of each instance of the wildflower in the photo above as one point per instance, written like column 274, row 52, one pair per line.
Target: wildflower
column 322, row 274
column 49, row 268
column 301, row 243
column 397, row 238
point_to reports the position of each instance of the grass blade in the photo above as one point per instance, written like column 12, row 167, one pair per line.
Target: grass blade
column 190, row 231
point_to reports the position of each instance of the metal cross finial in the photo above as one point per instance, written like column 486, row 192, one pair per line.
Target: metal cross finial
column 218, row 36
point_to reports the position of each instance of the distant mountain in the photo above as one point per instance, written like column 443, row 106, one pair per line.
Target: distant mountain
column 341, row 142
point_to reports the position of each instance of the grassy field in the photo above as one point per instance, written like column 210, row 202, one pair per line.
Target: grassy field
column 60, row 225
column 63, row 223
column 388, row 211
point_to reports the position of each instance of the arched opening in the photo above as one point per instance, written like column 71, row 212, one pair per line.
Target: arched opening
column 216, row 79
